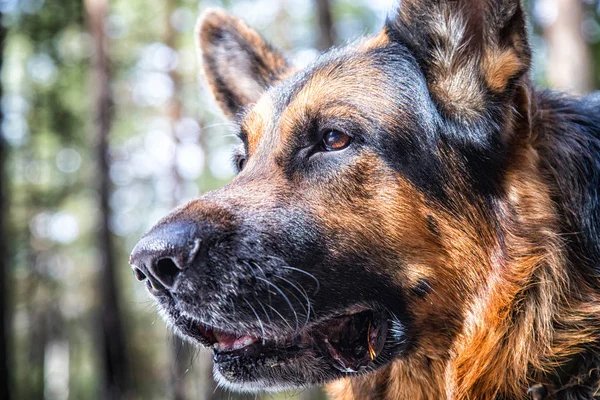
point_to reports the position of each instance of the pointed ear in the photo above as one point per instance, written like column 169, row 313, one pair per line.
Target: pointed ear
column 470, row 50
column 238, row 64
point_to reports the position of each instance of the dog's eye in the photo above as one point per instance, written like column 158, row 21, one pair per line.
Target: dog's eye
column 239, row 161
column 335, row 140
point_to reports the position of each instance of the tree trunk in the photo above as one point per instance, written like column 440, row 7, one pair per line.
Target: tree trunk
column 4, row 314
column 325, row 24
column 112, row 343
column 569, row 63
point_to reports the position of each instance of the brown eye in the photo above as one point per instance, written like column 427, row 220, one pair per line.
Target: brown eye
column 335, row 140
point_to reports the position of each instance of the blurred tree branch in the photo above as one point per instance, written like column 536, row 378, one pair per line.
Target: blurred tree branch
column 4, row 313
column 112, row 344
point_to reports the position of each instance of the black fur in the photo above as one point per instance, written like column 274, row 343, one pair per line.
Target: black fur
column 569, row 146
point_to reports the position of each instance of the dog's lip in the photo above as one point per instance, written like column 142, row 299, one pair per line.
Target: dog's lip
column 351, row 340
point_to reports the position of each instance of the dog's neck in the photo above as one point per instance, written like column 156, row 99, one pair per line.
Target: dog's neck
column 533, row 328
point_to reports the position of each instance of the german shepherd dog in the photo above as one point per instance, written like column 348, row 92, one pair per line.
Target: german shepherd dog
column 411, row 218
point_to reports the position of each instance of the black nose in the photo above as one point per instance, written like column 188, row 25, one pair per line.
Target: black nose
column 164, row 253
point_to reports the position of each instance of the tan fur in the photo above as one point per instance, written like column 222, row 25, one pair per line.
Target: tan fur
column 257, row 122
column 510, row 322
column 499, row 66
column 331, row 87
column 380, row 40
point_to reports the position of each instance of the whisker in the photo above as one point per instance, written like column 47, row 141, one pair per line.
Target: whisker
column 257, row 299
column 265, row 311
column 281, row 316
column 297, row 299
column 230, row 124
column 260, row 268
column 262, row 328
column 284, row 297
column 251, row 268
column 285, row 266
column 303, row 293
column 263, row 273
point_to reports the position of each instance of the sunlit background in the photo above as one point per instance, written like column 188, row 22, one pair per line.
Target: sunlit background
column 167, row 143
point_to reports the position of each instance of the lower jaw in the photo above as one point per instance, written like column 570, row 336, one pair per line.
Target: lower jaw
column 273, row 373
column 345, row 344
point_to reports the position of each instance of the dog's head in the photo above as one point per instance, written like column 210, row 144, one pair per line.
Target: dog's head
column 354, row 232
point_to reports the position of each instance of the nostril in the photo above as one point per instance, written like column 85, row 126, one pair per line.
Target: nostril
column 159, row 258
column 167, row 271
column 139, row 275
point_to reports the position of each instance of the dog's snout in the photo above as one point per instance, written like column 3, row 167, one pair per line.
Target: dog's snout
column 161, row 256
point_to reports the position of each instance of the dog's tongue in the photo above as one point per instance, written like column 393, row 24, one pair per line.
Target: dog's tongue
column 353, row 341
column 228, row 342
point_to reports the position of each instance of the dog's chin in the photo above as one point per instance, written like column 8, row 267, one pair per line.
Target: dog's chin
column 351, row 342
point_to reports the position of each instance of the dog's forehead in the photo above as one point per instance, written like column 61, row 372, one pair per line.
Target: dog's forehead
column 358, row 82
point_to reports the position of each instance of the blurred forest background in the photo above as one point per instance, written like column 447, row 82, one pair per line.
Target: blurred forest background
column 105, row 126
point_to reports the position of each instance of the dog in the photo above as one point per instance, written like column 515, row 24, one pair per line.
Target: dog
column 411, row 218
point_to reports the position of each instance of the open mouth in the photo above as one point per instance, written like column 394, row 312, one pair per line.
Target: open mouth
column 349, row 342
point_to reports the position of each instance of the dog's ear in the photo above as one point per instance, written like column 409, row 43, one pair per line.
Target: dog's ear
column 238, row 64
column 468, row 50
